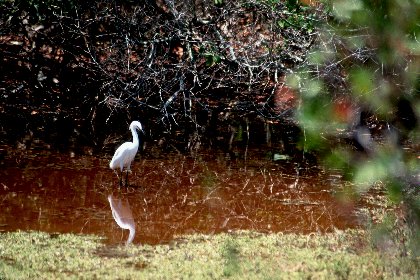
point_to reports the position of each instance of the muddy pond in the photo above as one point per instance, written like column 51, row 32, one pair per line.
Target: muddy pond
column 167, row 196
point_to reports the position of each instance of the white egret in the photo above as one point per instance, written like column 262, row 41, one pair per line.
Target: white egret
column 122, row 214
column 125, row 153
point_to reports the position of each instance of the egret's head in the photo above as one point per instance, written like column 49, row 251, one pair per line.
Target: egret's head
column 136, row 125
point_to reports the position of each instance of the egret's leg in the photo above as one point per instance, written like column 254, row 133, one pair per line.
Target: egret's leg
column 126, row 178
column 118, row 175
column 121, row 175
column 126, row 175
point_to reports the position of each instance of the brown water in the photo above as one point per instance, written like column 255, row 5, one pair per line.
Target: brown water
column 208, row 193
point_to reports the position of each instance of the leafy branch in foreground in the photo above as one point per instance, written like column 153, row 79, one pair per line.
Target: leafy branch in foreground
column 361, row 85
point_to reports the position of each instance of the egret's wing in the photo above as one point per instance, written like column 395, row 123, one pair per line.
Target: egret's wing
column 119, row 155
column 121, row 150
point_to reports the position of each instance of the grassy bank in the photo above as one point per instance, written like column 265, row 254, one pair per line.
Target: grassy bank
column 342, row 255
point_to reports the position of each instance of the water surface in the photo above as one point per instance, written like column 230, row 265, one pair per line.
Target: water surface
column 167, row 196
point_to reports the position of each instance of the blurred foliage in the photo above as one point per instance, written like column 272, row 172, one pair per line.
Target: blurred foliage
column 360, row 98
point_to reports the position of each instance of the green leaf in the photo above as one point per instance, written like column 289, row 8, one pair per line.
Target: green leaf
column 362, row 83
column 367, row 173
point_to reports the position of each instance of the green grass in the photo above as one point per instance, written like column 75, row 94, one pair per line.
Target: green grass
column 241, row 255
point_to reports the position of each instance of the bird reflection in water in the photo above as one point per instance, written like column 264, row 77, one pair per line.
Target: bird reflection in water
column 122, row 214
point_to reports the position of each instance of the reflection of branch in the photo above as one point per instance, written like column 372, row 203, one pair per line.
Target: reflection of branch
column 236, row 217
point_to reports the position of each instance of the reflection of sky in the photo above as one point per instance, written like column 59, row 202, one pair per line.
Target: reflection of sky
column 122, row 214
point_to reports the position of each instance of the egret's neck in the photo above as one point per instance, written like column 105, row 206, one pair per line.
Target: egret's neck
column 135, row 137
column 131, row 235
